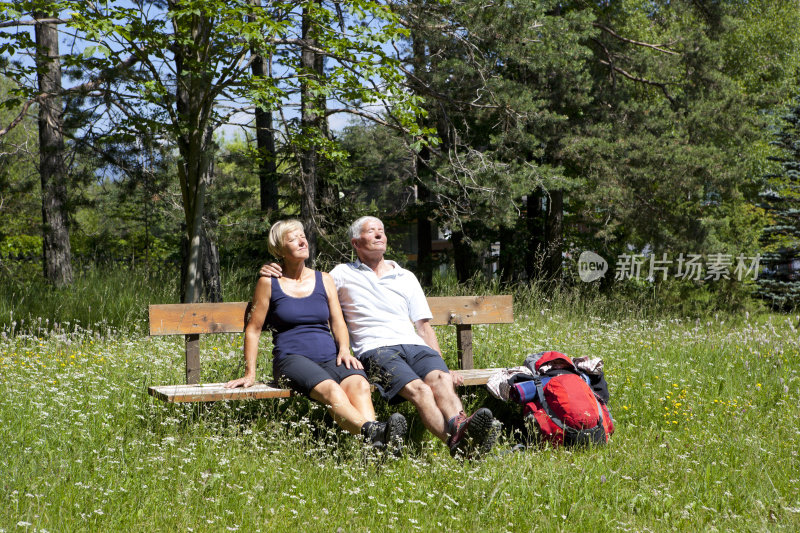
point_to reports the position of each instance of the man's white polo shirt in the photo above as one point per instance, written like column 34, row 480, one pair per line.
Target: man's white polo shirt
column 380, row 311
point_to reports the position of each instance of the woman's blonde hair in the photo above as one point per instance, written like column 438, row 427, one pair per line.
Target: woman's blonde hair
column 277, row 235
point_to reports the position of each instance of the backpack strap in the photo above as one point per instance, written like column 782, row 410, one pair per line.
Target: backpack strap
column 543, row 402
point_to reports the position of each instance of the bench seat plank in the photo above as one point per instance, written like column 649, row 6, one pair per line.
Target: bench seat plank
column 210, row 392
column 476, row 376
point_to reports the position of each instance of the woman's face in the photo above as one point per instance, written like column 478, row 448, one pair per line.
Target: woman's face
column 295, row 245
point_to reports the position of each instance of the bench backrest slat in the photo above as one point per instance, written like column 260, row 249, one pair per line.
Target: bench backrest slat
column 189, row 319
column 464, row 310
column 229, row 317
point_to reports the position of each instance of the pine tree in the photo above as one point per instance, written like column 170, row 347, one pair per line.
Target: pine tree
column 780, row 281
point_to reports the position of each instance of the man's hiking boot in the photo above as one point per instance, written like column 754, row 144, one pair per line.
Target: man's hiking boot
column 473, row 436
column 395, row 431
column 396, row 428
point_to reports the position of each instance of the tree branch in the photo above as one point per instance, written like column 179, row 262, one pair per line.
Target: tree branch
column 15, row 23
column 22, row 113
column 661, row 85
column 368, row 116
column 84, row 87
column 660, row 47
column 95, row 83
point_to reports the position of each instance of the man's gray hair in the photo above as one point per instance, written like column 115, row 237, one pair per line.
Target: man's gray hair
column 355, row 227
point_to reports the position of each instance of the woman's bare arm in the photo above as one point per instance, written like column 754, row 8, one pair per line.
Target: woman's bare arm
column 252, row 332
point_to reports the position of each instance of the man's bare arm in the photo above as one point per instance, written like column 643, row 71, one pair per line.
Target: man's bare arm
column 425, row 330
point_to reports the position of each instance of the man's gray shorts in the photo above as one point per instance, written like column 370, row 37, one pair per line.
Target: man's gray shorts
column 390, row 368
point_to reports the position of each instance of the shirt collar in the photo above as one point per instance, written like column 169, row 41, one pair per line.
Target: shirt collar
column 396, row 269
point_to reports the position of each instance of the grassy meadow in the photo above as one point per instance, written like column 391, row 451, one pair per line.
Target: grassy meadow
column 706, row 410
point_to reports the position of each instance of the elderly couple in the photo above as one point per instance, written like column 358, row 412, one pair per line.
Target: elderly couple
column 388, row 319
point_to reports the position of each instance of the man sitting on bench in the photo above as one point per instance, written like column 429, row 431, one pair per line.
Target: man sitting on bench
column 380, row 301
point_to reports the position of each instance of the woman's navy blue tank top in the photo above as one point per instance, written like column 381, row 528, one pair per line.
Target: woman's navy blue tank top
column 300, row 325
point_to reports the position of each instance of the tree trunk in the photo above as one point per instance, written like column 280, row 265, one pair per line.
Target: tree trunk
column 534, row 253
column 310, row 124
column 210, row 271
column 265, row 142
column 207, row 277
column 212, row 284
column 506, row 259
column 194, row 140
column 554, row 229
column 267, row 166
column 424, row 227
column 56, row 252
column 329, row 211
column 462, row 256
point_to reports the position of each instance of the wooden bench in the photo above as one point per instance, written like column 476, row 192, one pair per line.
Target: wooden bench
column 193, row 320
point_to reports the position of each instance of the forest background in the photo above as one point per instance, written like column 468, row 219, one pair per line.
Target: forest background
column 498, row 139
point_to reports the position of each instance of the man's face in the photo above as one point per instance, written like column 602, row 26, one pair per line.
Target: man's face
column 372, row 240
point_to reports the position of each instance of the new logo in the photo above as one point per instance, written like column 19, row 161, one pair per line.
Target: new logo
column 591, row 266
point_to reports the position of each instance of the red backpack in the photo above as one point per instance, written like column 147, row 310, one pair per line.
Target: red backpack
column 564, row 409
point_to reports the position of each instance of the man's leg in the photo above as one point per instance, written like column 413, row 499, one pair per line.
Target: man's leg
column 420, row 394
column 389, row 371
column 395, row 370
column 444, row 394
column 467, row 435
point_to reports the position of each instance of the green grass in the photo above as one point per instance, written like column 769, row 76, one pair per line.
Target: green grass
column 706, row 413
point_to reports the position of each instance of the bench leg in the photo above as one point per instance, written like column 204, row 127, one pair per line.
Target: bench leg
column 464, row 346
column 192, row 359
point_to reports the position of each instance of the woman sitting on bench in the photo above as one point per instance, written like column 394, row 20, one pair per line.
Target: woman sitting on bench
column 302, row 308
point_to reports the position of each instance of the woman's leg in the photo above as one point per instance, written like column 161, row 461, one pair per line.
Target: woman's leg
column 389, row 433
column 330, row 394
column 359, row 393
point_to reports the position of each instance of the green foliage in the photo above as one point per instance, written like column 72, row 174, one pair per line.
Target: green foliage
column 112, row 296
column 650, row 117
column 21, row 245
column 20, row 203
column 170, row 74
column 502, row 106
column 238, row 226
column 780, row 283
column 653, row 117
column 668, row 160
